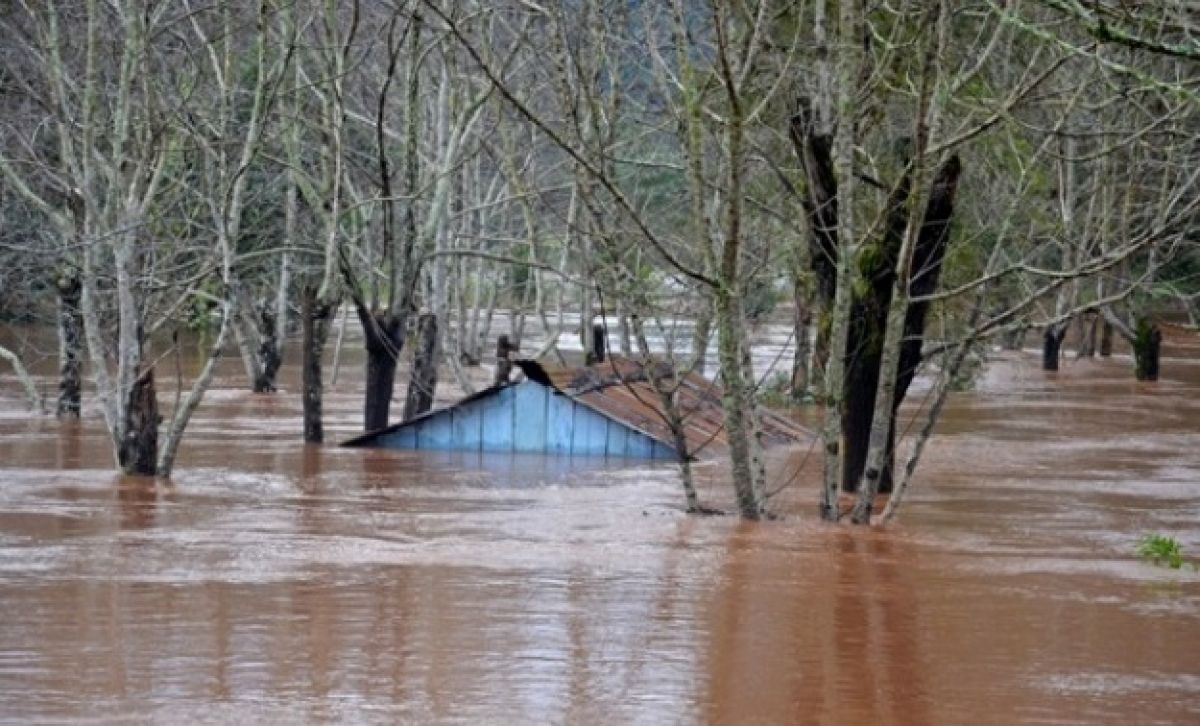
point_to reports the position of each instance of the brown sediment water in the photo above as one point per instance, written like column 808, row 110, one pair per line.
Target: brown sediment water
column 273, row 582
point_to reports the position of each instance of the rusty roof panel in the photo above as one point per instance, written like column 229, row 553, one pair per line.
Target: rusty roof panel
column 620, row 389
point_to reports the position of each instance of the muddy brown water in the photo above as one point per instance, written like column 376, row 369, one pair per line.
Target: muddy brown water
column 270, row 582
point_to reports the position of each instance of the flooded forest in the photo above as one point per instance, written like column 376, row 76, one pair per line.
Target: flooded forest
column 600, row 361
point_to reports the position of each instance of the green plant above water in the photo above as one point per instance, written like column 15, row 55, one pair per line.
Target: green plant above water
column 1161, row 550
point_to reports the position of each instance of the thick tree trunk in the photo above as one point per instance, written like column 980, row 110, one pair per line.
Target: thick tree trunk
column 314, row 321
column 70, row 331
column 423, row 382
column 138, row 452
column 1052, row 346
column 865, row 339
column 383, row 334
column 1147, row 343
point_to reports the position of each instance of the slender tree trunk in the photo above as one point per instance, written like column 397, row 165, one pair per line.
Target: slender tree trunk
column 314, row 320
column 268, row 353
column 23, row 377
column 1052, row 346
column 734, row 398
column 70, row 330
column 702, row 336
column 1106, row 339
column 423, row 382
column 623, row 338
column 138, row 452
column 674, row 418
column 801, row 327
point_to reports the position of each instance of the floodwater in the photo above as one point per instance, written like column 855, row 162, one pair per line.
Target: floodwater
column 270, row 582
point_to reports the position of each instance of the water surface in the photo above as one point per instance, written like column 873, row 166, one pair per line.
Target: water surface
column 272, row 582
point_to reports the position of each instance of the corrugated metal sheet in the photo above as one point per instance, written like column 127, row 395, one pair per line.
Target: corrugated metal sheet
column 620, row 388
column 524, row 417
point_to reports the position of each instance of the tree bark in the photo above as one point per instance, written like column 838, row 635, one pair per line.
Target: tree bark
column 314, row 320
column 23, row 377
column 801, row 326
column 70, row 329
column 138, row 452
column 1052, row 345
column 1147, row 343
column 701, row 337
column 503, row 362
column 1106, row 339
column 268, row 353
column 734, row 400
column 1087, row 335
column 423, row 382
column 865, row 340
column 383, row 334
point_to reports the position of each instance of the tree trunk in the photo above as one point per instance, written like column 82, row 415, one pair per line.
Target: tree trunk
column 268, row 353
column 1087, row 336
column 671, row 414
column 503, row 362
column 801, row 326
column 623, row 331
column 314, row 320
column 599, row 349
column 864, row 351
column 23, row 377
column 423, row 382
column 1106, row 339
column 138, row 453
column 1052, row 345
column 703, row 332
column 1147, row 343
column 383, row 334
column 70, row 330
column 751, row 503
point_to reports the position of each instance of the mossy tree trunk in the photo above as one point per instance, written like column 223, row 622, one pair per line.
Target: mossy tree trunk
column 423, row 382
column 70, row 331
column 315, row 315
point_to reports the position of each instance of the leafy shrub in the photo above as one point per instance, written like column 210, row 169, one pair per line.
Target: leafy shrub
column 1161, row 550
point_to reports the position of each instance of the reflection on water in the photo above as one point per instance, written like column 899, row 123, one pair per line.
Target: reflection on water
column 276, row 582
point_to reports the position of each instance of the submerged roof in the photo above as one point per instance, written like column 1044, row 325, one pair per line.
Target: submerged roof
column 620, row 388
column 617, row 389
